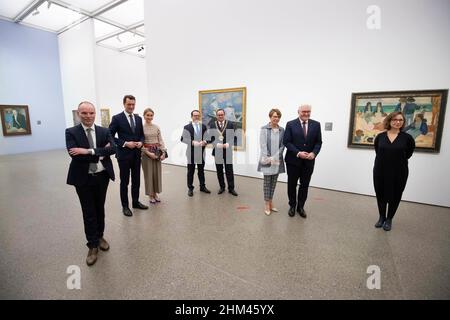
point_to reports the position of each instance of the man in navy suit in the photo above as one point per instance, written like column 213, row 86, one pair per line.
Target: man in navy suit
column 194, row 135
column 130, row 132
column 303, row 140
column 90, row 170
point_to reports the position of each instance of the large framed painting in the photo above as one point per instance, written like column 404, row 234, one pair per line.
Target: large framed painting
column 76, row 118
column 15, row 120
column 233, row 102
column 424, row 112
column 105, row 117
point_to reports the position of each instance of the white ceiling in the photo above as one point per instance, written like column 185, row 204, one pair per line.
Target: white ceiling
column 118, row 24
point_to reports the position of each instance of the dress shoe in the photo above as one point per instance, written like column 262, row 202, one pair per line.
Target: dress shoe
column 222, row 190
column 380, row 222
column 139, row 205
column 190, row 193
column 291, row 211
column 234, row 193
column 205, row 190
column 301, row 212
column 103, row 245
column 92, row 256
column 387, row 225
column 126, row 211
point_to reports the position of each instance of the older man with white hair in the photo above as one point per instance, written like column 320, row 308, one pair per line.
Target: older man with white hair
column 303, row 140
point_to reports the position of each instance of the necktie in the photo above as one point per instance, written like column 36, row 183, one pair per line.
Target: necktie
column 133, row 126
column 304, row 128
column 92, row 165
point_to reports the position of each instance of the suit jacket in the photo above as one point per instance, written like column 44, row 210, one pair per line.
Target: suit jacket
column 194, row 154
column 79, row 166
column 266, row 142
column 229, row 136
column 120, row 125
column 295, row 140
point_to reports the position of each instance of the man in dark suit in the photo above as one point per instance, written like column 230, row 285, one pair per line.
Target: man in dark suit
column 90, row 170
column 194, row 135
column 303, row 140
column 222, row 135
column 130, row 132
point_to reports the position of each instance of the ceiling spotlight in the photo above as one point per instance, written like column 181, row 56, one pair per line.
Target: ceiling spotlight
column 118, row 38
column 140, row 49
column 35, row 13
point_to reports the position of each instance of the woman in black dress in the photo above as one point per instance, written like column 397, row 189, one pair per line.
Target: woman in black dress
column 393, row 148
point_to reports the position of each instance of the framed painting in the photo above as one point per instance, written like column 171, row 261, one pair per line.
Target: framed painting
column 233, row 102
column 105, row 117
column 75, row 117
column 424, row 112
column 15, row 120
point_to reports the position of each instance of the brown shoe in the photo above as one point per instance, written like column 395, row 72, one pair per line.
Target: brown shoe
column 92, row 256
column 103, row 245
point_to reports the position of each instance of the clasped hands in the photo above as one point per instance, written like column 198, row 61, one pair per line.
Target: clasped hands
column 223, row 145
column 199, row 143
column 82, row 151
column 133, row 144
column 306, row 155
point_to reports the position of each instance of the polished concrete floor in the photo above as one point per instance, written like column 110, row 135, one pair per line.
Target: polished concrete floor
column 212, row 246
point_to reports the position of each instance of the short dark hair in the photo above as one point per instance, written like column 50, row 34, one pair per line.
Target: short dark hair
column 277, row 111
column 195, row 110
column 387, row 120
column 220, row 110
column 128, row 96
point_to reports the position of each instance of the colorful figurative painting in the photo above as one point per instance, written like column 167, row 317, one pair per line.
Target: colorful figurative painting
column 232, row 101
column 15, row 120
column 424, row 112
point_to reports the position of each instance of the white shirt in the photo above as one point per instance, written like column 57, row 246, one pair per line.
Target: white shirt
column 128, row 118
column 100, row 166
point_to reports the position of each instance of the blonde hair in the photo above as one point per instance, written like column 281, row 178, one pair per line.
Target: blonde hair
column 148, row 110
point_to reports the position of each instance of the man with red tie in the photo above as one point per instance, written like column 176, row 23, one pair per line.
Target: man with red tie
column 303, row 140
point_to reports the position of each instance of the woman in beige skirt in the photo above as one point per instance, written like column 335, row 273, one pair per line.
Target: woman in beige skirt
column 153, row 152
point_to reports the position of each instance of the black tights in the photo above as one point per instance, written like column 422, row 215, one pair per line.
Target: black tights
column 393, row 205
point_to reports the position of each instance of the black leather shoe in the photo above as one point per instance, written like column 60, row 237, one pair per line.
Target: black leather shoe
column 190, row 193
column 301, row 212
column 139, row 205
column 380, row 222
column 205, row 190
column 291, row 211
column 126, row 211
column 222, row 190
column 234, row 193
column 387, row 225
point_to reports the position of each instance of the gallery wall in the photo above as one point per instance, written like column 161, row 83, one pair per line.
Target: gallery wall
column 30, row 75
column 290, row 52
column 99, row 75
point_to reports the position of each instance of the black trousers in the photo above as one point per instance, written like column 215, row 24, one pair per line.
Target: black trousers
column 304, row 173
column 92, row 199
column 228, row 172
column 391, row 209
column 126, row 166
column 200, row 174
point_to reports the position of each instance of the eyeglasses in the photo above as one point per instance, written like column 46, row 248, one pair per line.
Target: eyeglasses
column 397, row 120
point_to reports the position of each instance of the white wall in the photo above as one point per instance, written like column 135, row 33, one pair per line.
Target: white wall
column 288, row 52
column 99, row 75
column 76, row 53
column 118, row 74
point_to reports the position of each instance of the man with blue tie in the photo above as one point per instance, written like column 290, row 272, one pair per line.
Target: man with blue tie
column 303, row 140
column 129, row 142
column 194, row 135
